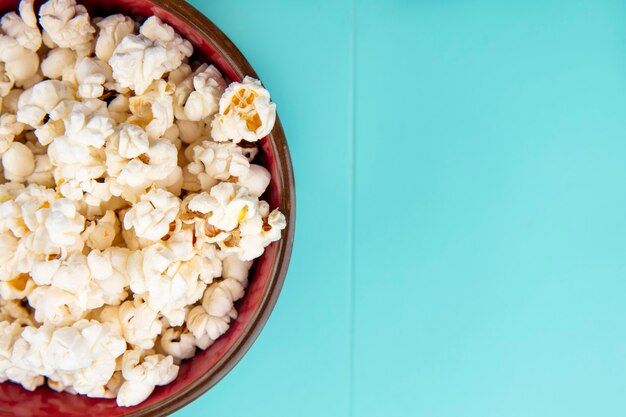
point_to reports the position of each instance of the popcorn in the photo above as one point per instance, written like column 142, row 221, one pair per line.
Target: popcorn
column 17, row 288
column 178, row 343
column 112, row 30
column 255, row 180
column 133, row 142
column 23, row 28
column 245, row 112
column 60, row 64
column 55, row 306
column 152, row 215
column 109, row 274
column 138, row 60
column 43, row 172
column 129, row 203
column 203, row 102
column 226, row 205
column 214, row 162
column 11, row 310
column 140, row 324
column 39, row 100
column 101, row 233
column 20, row 63
column 64, row 224
column 6, row 84
column 153, row 110
column 142, row 373
column 67, row 25
column 18, row 162
column 91, row 75
column 158, row 166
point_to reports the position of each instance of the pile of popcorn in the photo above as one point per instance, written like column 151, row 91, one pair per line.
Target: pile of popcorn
column 130, row 208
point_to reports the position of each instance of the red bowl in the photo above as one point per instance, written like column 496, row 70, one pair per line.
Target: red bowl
column 200, row 373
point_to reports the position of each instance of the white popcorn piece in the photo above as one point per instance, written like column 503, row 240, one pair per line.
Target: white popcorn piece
column 101, row 233
column 133, row 141
column 82, row 355
column 226, row 204
column 20, row 63
column 109, row 274
column 138, row 60
column 204, row 100
column 55, row 306
column 91, row 76
column 9, row 129
column 178, row 343
column 178, row 48
column 64, row 223
column 255, row 180
column 112, row 30
column 189, row 132
column 18, row 162
column 206, row 328
column 67, row 25
column 213, row 162
column 60, row 63
column 170, row 276
column 152, row 215
column 245, row 112
column 235, row 268
column 142, row 373
column 23, row 27
column 6, row 84
column 255, row 234
column 240, row 223
column 158, row 166
column 140, row 324
column 43, row 174
column 39, row 100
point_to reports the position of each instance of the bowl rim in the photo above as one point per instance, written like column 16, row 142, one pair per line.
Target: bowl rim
column 286, row 183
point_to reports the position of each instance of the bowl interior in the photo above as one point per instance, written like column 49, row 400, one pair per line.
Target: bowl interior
column 207, row 367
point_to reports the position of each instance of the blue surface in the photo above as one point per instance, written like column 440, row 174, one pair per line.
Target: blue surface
column 461, row 231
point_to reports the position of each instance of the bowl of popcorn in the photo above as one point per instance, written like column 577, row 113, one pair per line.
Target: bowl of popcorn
column 146, row 207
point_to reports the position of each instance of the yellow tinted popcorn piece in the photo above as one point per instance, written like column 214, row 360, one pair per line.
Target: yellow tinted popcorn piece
column 245, row 112
column 153, row 110
column 226, row 205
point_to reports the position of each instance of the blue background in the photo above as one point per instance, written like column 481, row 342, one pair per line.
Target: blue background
column 461, row 230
